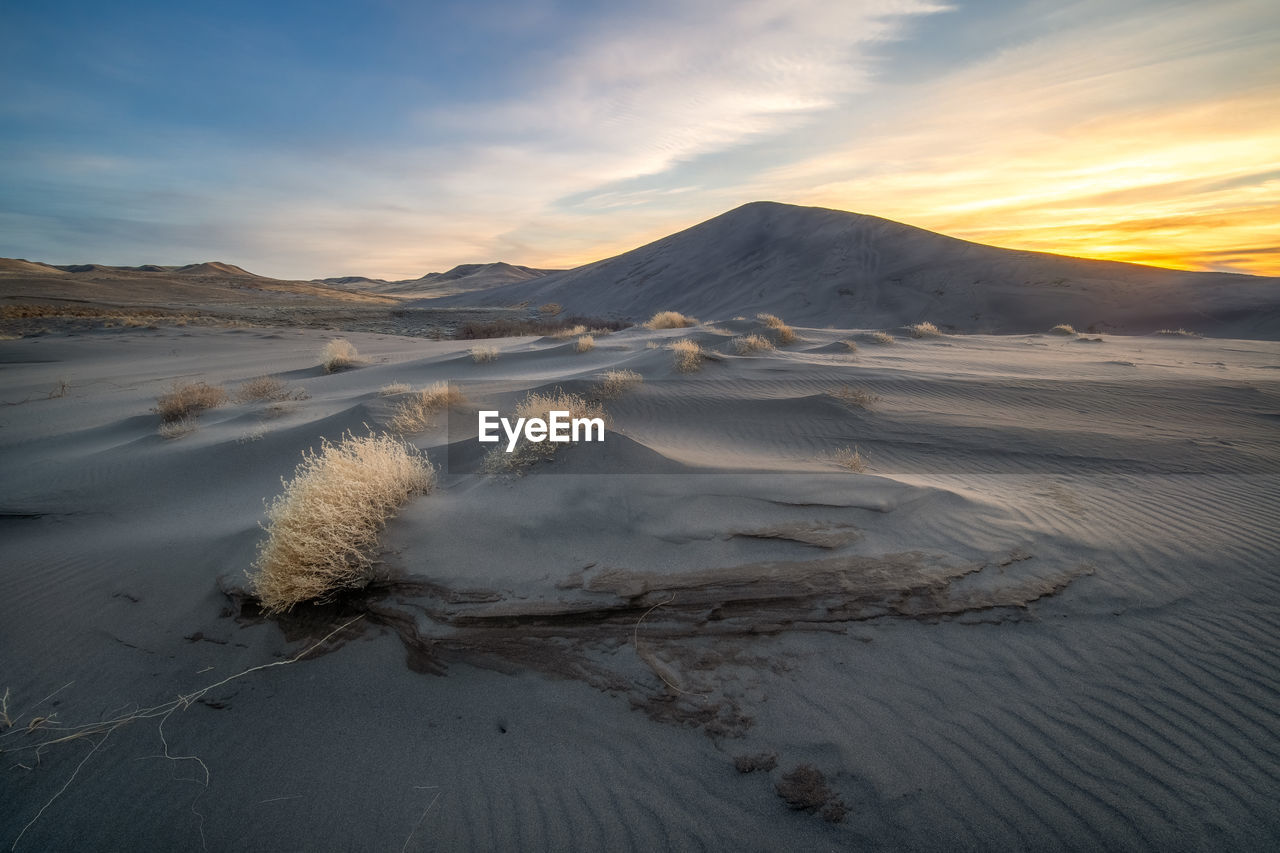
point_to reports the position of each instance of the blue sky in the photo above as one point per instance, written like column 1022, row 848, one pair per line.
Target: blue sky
column 396, row 138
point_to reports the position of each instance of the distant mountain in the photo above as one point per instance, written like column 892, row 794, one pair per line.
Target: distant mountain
column 465, row 278
column 819, row 267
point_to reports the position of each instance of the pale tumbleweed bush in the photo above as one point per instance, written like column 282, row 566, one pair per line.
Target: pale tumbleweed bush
column 669, row 320
column 881, row 338
column 484, row 355
column 186, row 401
column 262, row 388
column 747, row 344
column 688, row 355
column 339, row 354
column 322, row 530
column 417, row 412
column 615, row 382
column 924, row 330
column 850, row 459
column 394, row 388
column 540, row 406
column 1062, row 329
column 586, row 343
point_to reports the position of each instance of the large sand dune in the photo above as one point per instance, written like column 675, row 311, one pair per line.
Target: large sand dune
column 828, row 267
column 1043, row 618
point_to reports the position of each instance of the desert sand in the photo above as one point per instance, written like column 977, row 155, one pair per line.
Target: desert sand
column 1042, row 616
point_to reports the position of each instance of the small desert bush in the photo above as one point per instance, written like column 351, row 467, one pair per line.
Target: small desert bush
column 416, row 413
column 262, row 388
column 540, row 406
column 669, row 320
column 177, row 429
column 393, row 389
column 850, row 396
column 484, row 355
column 924, row 330
column 550, row 309
column 1179, row 333
column 1062, row 329
column 752, row 343
column 322, row 530
column 569, row 332
column 688, row 355
column 585, row 343
column 850, row 459
column 851, row 346
column 339, row 354
column 614, row 382
column 189, row 400
column 786, row 334
column 881, row 338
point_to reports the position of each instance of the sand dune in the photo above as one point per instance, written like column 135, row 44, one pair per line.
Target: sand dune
column 1043, row 617
column 827, row 267
column 465, row 278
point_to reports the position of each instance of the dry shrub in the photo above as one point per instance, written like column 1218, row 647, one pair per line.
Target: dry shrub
column 416, row 413
column 924, row 330
column 527, row 453
column 851, row 459
column 484, row 355
column 752, row 343
column 339, row 354
column 881, row 338
column 653, row 345
column 851, row 346
column 688, row 355
column 669, row 320
column 850, row 396
column 550, row 309
column 177, row 429
column 786, row 334
column 773, row 321
column 614, row 382
column 585, row 343
column 393, row 389
column 569, row 332
column 189, row 400
column 1178, row 333
column 262, row 388
column 322, row 531
column 1062, row 329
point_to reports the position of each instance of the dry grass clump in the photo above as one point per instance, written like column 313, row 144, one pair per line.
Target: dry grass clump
column 786, row 334
column 569, row 332
column 850, row 396
column 262, row 388
column 585, row 343
column 752, row 343
column 189, row 400
column 850, row 459
column 1063, row 329
column 550, row 309
column 483, row 355
column 615, row 382
column 882, row 338
column 416, row 413
column 323, row 529
column 851, row 346
column 669, row 320
column 393, row 389
column 924, row 330
column 527, row 453
column 339, row 354
column 1180, row 333
column 177, row 429
column 688, row 355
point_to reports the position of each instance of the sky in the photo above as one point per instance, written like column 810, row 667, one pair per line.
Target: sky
column 391, row 138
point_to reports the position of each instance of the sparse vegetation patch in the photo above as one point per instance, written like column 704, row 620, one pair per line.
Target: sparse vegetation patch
column 688, row 355
column 614, row 382
column 1062, row 329
column 417, row 412
column 924, row 330
column 586, row 343
column 747, row 344
column 669, row 320
column 339, row 354
column 185, row 401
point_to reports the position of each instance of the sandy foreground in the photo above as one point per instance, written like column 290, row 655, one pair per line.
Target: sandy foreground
column 1044, row 617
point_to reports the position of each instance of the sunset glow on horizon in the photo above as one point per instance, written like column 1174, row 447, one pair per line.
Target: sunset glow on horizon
column 403, row 138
